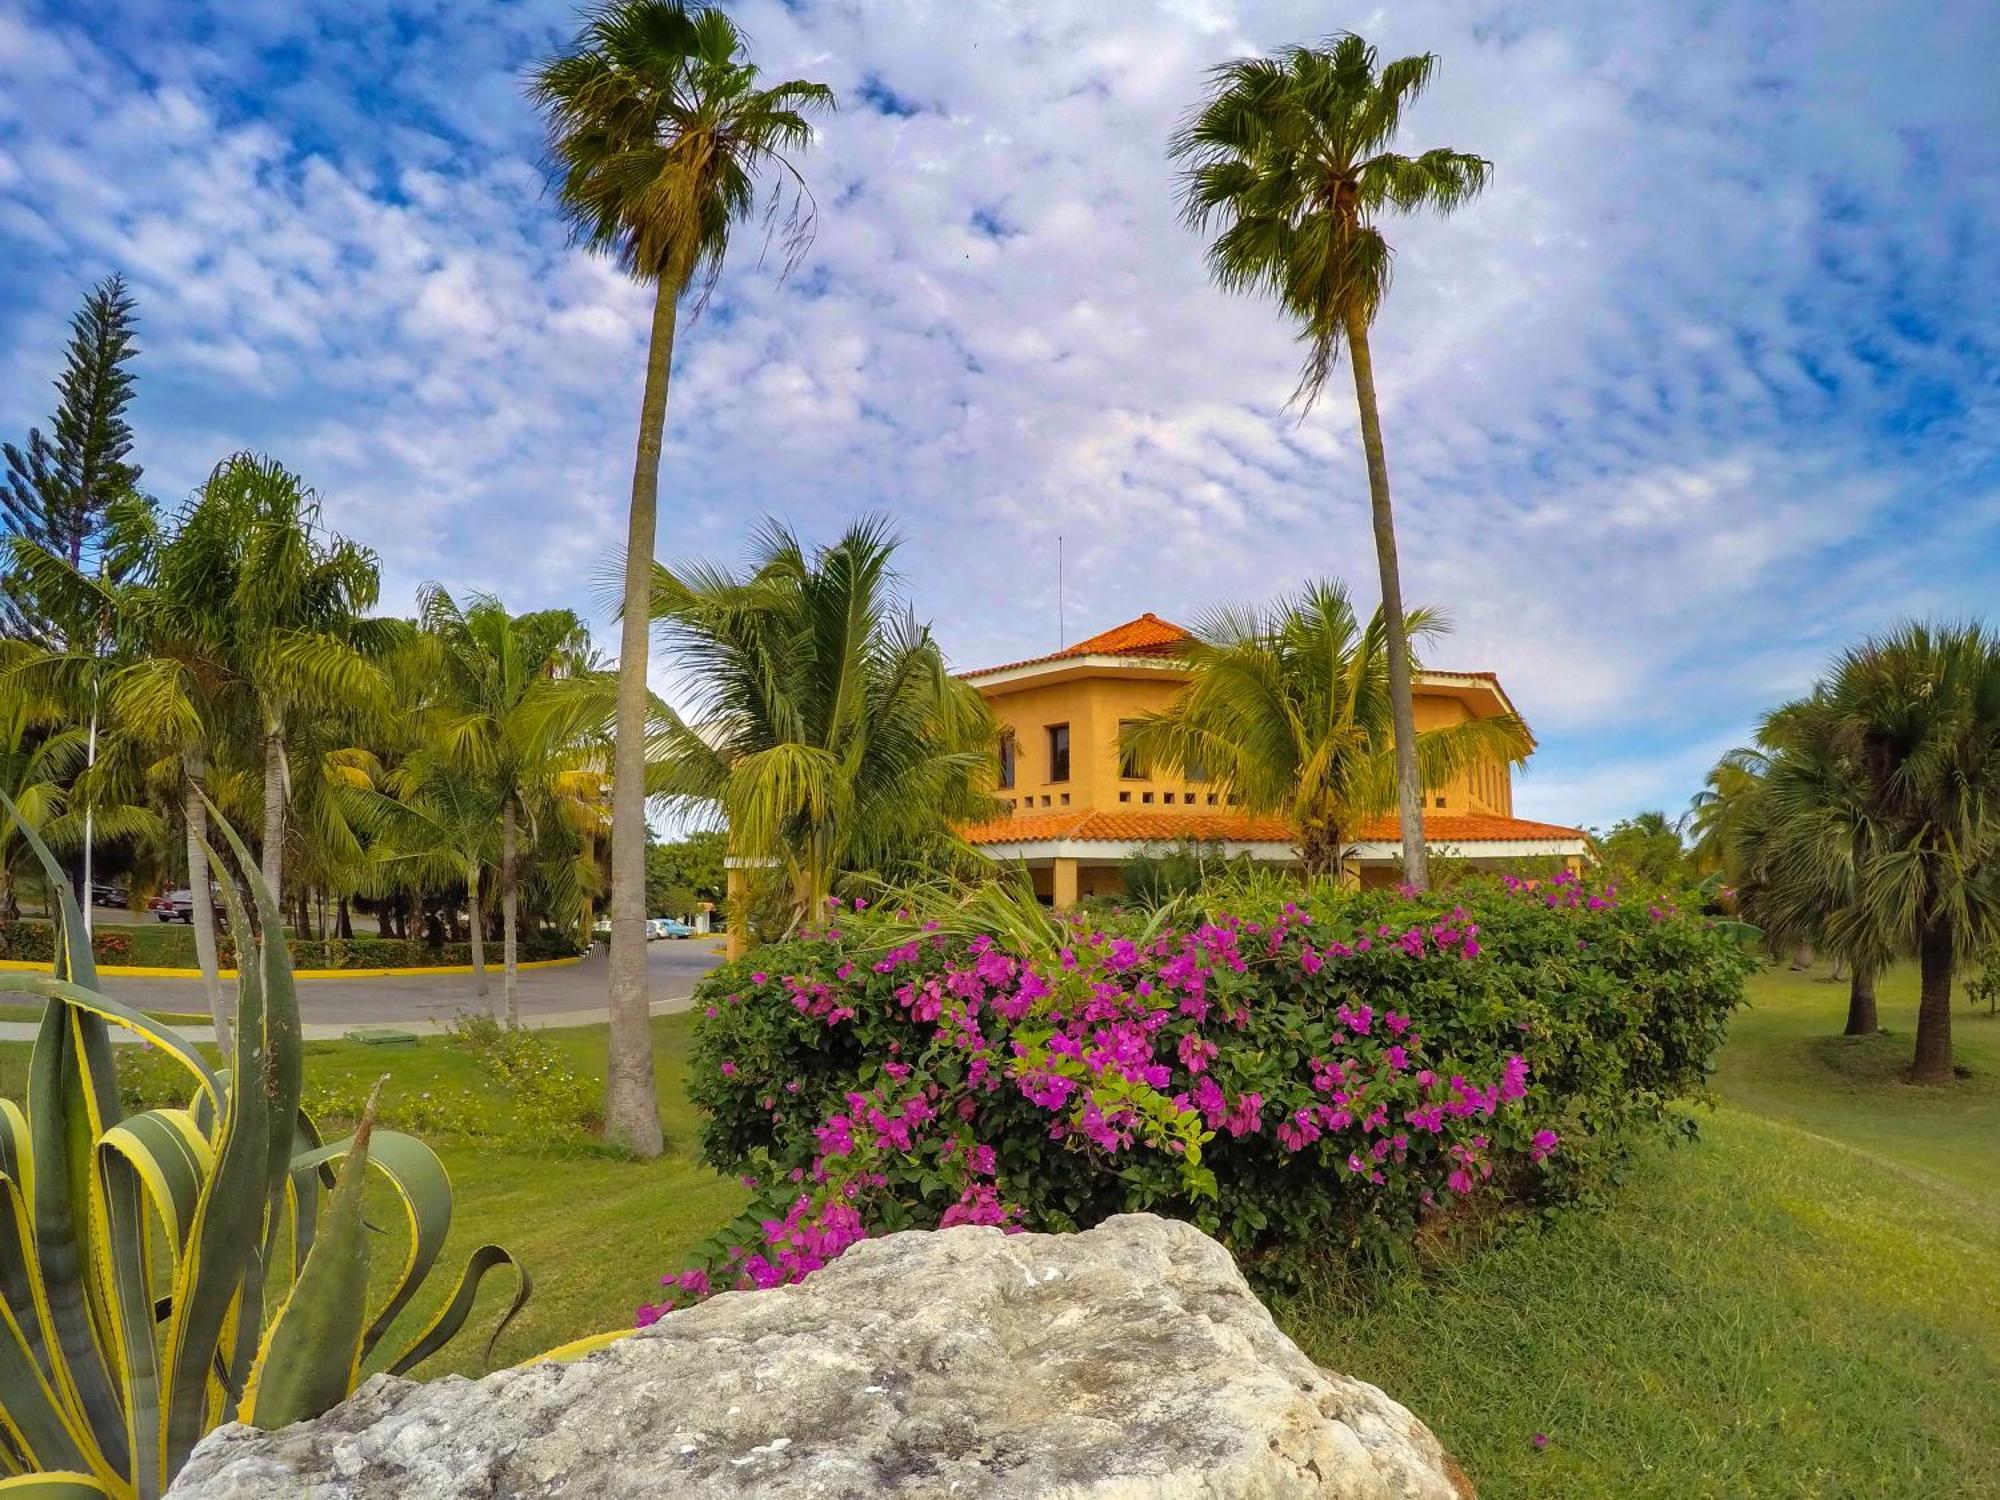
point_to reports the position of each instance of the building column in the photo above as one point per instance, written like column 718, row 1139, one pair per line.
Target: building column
column 738, row 941
column 1065, row 883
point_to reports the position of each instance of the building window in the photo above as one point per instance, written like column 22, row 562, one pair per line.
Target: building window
column 1211, row 799
column 1007, row 759
column 1438, row 800
column 1167, row 797
column 1145, row 796
column 1058, row 753
column 1124, row 796
column 1129, row 767
column 1064, row 799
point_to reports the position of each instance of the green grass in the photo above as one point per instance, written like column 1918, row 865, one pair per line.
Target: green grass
column 1799, row 1304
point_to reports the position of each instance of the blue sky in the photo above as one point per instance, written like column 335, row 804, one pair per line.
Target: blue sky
column 1707, row 385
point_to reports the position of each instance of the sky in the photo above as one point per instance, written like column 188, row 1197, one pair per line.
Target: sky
column 1705, row 387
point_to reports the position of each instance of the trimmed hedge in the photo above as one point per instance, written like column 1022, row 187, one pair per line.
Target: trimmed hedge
column 1328, row 1075
column 171, row 945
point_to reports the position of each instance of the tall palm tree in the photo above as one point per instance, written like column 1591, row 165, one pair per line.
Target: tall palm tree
column 827, row 730
column 517, row 707
column 1288, row 154
column 658, row 128
column 1715, row 813
column 1291, row 709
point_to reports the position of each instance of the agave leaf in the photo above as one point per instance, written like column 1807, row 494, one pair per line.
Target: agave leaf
column 119, row 1014
column 72, row 1099
column 216, row 1288
column 54, row 1486
column 452, row 1316
column 312, row 1350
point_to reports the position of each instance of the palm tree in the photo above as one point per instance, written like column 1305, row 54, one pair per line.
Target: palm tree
column 1790, row 827
column 658, row 128
column 1290, row 709
column 44, row 757
column 1715, row 813
column 517, row 708
column 438, row 826
column 285, row 603
column 1883, row 822
column 827, row 729
column 1287, row 153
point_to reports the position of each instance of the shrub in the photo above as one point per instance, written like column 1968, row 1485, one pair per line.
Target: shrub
column 1289, row 1077
column 171, row 945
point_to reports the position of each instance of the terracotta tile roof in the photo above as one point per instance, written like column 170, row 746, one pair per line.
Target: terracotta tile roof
column 1148, row 635
column 1091, row 825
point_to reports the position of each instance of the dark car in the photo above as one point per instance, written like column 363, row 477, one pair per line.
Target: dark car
column 178, row 906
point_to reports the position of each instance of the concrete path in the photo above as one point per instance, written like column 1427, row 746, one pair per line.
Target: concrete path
column 569, row 995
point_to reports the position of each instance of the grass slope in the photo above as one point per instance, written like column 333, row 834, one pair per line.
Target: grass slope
column 1800, row 1304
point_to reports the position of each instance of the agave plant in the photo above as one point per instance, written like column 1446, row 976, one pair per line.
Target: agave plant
column 166, row 1271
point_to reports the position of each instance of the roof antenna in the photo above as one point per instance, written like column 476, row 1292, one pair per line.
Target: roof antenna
column 1062, row 632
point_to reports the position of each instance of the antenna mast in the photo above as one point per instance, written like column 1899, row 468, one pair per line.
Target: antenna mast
column 1062, row 632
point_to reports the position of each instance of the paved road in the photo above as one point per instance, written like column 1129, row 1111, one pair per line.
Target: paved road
column 572, row 994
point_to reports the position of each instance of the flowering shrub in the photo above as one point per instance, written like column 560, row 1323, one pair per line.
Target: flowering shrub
column 1325, row 1074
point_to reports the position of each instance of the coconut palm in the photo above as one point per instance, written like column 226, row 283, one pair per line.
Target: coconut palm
column 516, row 707
column 1715, row 813
column 1287, row 153
column 44, row 756
column 826, row 729
column 659, row 127
column 1290, row 709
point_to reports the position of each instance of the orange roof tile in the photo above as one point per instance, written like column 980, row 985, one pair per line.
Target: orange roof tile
column 1148, row 635
column 1092, row 826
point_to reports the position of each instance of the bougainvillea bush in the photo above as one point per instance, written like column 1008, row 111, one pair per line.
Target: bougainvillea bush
column 1294, row 1077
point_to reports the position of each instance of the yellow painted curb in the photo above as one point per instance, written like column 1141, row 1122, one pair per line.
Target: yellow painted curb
column 149, row 971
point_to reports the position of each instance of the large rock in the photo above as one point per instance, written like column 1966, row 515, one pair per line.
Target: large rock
column 1128, row 1363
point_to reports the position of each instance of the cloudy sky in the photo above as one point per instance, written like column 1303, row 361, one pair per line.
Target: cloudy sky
column 1705, row 386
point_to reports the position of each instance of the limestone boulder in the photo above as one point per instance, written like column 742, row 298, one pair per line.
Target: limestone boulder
column 1130, row 1362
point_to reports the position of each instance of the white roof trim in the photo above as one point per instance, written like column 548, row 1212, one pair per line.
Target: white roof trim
column 1111, row 851
column 1000, row 676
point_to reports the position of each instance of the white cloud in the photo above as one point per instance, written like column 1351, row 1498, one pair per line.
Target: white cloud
column 1701, row 388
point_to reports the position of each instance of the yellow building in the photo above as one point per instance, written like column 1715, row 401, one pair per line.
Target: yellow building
column 1077, row 811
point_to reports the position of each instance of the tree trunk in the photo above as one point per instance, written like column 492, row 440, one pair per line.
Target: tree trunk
column 478, row 935
column 1802, row 957
column 1861, row 1002
column 273, row 862
column 202, row 914
column 385, row 920
column 509, row 901
column 631, row 1098
column 346, row 920
column 1934, row 959
column 1409, row 782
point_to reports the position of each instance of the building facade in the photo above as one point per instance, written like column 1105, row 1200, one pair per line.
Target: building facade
column 1077, row 810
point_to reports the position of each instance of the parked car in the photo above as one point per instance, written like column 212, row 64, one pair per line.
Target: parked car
column 103, row 894
column 670, row 927
column 178, row 906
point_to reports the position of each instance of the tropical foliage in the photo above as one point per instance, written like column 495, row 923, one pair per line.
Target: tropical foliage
column 826, row 730
column 1291, row 708
column 1872, row 825
column 139, row 1253
column 659, row 127
column 1289, row 155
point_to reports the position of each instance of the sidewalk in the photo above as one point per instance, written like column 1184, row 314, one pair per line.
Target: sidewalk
column 333, row 1031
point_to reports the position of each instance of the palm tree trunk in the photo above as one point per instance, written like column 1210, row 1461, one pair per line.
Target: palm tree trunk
column 478, row 934
column 1935, row 959
column 631, row 1098
column 346, row 921
column 201, row 913
column 509, row 893
column 273, row 862
column 1409, row 782
column 1802, row 957
column 1861, row 1002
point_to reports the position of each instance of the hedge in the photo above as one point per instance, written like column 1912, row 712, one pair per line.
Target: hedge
column 171, row 945
column 1313, row 1077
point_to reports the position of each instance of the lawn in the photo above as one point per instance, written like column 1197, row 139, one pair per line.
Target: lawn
column 1798, row 1304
